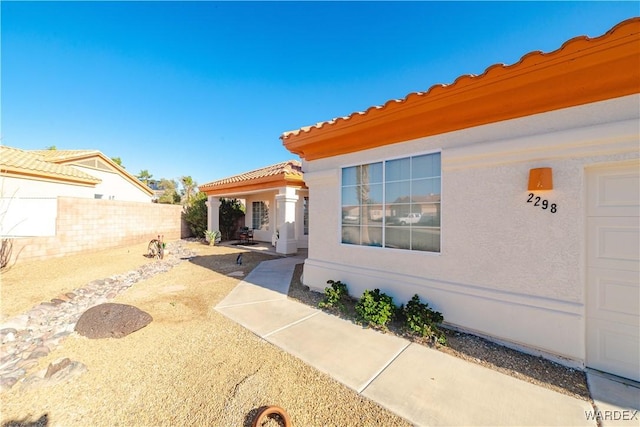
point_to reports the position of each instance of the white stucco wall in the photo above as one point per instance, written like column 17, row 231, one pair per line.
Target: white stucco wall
column 115, row 187
column 28, row 206
column 507, row 269
column 265, row 235
column 24, row 188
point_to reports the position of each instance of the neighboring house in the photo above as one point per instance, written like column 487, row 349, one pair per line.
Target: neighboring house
column 31, row 180
column 276, row 200
column 553, row 270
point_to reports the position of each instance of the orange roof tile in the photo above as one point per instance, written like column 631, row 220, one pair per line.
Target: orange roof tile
column 16, row 162
column 581, row 71
column 274, row 176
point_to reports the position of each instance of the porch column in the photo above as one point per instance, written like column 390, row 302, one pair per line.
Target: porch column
column 213, row 213
column 287, row 242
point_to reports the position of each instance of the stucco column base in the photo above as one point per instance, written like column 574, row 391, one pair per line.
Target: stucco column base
column 287, row 242
column 287, row 247
column 213, row 213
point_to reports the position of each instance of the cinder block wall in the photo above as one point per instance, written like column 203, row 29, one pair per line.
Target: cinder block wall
column 89, row 225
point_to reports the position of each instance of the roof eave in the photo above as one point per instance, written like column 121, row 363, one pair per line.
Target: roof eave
column 578, row 73
column 26, row 173
column 266, row 183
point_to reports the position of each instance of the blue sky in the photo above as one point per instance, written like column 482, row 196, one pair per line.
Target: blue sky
column 206, row 88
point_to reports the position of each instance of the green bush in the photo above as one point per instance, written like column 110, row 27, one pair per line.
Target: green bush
column 231, row 210
column 195, row 214
column 420, row 319
column 375, row 307
column 334, row 295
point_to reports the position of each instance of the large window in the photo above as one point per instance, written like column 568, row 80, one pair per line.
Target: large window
column 259, row 215
column 393, row 204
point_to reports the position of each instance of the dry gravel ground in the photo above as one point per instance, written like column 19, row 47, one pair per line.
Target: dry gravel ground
column 190, row 366
column 536, row 370
column 193, row 366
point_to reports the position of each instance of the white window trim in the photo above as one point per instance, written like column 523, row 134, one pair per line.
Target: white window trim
column 384, row 202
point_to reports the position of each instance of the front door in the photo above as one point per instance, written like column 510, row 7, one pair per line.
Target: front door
column 613, row 274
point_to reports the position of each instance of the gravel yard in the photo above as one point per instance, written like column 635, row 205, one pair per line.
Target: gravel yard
column 192, row 365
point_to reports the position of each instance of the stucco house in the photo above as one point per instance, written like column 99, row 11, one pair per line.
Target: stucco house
column 276, row 200
column 520, row 189
column 32, row 180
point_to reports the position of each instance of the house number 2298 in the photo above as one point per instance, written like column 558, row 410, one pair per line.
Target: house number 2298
column 544, row 204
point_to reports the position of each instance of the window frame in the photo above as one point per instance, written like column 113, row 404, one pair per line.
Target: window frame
column 305, row 215
column 263, row 214
column 385, row 204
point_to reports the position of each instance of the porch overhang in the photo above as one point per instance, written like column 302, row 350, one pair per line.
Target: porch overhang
column 285, row 174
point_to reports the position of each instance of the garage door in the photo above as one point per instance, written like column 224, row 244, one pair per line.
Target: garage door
column 613, row 273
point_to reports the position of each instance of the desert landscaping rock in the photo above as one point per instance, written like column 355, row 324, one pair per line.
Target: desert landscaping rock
column 111, row 320
column 57, row 366
column 59, row 371
column 29, row 336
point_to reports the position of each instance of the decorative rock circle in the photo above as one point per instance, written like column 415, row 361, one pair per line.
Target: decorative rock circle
column 111, row 320
column 264, row 413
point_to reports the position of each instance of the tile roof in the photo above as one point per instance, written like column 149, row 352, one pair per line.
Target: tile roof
column 581, row 71
column 70, row 156
column 14, row 161
column 289, row 169
column 61, row 155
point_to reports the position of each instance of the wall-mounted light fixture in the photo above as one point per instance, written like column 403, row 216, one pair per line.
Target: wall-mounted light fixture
column 540, row 179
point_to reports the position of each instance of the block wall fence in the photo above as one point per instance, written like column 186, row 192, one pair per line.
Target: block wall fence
column 91, row 225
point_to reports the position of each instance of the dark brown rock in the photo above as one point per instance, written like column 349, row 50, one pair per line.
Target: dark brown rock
column 111, row 320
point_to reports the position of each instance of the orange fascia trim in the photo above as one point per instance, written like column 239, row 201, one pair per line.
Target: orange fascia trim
column 582, row 71
column 264, row 183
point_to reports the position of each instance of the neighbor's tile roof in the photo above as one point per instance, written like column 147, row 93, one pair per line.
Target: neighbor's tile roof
column 60, row 155
column 290, row 168
column 14, row 161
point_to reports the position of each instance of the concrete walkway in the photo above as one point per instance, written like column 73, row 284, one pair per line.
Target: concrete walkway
column 424, row 386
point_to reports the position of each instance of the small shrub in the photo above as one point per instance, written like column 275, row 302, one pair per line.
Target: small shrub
column 420, row 319
column 375, row 307
column 334, row 295
column 212, row 236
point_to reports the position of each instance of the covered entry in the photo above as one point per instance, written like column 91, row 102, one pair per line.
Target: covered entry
column 613, row 274
column 276, row 200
